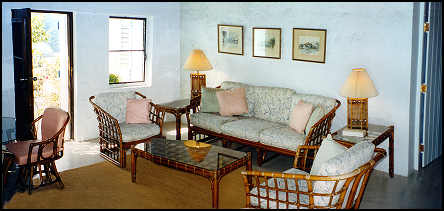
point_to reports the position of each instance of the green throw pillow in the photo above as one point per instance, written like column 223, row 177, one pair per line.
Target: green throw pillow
column 208, row 100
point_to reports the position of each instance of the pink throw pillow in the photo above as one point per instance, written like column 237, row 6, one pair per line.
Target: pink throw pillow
column 232, row 102
column 137, row 111
column 300, row 115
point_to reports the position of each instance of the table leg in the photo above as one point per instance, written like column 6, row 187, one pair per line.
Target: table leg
column 214, row 181
column 391, row 147
column 133, row 164
column 178, row 124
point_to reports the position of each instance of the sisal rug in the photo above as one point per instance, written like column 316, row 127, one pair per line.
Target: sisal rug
column 104, row 185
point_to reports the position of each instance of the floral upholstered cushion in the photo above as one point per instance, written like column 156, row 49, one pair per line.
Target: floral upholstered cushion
column 328, row 149
column 248, row 128
column 282, row 137
column 342, row 163
column 132, row 132
column 210, row 121
column 327, row 103
column 292, row 197
column 115, row 103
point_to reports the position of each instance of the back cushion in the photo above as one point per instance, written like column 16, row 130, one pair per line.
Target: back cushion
column 115, row 103
column 53, row 120
column 248, row 94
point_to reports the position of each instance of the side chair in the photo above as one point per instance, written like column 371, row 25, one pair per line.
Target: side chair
column 31, row 155
column 115, row 135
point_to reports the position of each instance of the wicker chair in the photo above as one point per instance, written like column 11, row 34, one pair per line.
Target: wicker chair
column 298, row 189
column 115, row 136
column 33, row 154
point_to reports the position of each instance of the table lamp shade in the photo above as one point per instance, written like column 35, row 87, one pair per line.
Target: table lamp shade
column 359, row 85
column 197, row 61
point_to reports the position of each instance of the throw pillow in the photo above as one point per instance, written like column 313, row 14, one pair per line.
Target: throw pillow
column 315, row 116
column 208, row 100
column 232, row 102
column 328, row 149
column 300, row 115
column 137, row 111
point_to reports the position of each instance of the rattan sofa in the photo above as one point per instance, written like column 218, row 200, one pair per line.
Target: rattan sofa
column 266, row 125
column 115, row 135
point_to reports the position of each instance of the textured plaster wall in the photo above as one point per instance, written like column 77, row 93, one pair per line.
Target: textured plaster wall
column 91, row 54
column 376, row 36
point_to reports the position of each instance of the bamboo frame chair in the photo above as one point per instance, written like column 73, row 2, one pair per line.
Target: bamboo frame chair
column 112, row 147
column 352, row 183
column 39, row 153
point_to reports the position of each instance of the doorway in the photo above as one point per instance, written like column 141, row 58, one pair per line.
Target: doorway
column 44, row 77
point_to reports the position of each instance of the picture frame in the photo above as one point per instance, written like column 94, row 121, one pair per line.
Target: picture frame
column 230, row 39
column 267, row 42
column 309, row 45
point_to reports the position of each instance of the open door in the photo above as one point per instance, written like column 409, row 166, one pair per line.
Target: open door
column 42, row 66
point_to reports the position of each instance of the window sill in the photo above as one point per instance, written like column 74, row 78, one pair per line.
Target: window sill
column 129, row 85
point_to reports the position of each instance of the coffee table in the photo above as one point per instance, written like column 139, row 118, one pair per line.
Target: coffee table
column 217, row 163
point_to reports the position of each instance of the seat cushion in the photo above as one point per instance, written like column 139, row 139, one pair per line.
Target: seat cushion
column 292, row 197
column 282, row 137
column 21, row 148
column 133, row 132
column 210, row 121
column 248, row 128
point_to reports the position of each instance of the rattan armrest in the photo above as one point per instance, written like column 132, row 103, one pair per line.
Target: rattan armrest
column 322, row 127
column 157, row 114
column 33, row 128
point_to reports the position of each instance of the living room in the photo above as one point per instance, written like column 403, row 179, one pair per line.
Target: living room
column 384, row 38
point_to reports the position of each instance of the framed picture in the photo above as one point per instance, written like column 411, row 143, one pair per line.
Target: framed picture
column 267, row 42
column 309, row 44
column 230, row 39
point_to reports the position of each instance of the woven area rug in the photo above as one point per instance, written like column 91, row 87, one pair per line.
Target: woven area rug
column 104, row 185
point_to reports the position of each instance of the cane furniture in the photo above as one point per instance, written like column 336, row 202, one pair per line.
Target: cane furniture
column 33, row 154
column 218, row 162
column 266, row 125
column 377, row 134
column 115, row 135
column 296, row 188
column 177, row 108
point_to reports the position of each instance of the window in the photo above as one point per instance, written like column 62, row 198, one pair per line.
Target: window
column 126, row 50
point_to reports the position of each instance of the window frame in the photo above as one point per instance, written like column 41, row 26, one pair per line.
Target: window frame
column 144, row 49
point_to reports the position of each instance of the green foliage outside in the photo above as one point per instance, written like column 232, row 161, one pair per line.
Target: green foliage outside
column 113, row 78
column 38, row 33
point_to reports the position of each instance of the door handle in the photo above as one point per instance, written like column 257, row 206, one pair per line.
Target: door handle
column 25, row 79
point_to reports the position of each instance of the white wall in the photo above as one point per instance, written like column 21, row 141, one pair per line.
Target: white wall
column 91, row 57
column 376, row 36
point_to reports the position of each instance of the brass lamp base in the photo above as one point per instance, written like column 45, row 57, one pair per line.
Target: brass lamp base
column 357, row 113
column 198, row 80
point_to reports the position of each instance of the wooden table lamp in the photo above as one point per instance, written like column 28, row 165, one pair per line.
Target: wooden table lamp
column 197, row 61
column 358, row 88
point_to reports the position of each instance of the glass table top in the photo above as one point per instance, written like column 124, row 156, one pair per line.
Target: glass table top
column 177, row 103
column 373, row 132
column 209, row 158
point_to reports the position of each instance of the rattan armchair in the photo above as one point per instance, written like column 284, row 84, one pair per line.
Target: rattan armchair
column 113, row 139
column 297, row 190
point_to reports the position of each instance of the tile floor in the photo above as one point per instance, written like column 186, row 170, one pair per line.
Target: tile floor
column 419, row 190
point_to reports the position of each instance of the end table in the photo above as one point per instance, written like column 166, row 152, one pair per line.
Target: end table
column 375, row 134
column 177, row 108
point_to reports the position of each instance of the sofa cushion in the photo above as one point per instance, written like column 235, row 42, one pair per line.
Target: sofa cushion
column 328, row 149
column 327, row 103
column 248, row 128
column 248, row 95
column 208, row 101
column 137, row 111
column 300, row 115
column 210, row 121
column 232, row 102
column 282, row 137
column 132, row 132
column 115, row 103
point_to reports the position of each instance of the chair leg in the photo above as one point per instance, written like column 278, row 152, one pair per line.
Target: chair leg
column 30, row 175
column 56, row 174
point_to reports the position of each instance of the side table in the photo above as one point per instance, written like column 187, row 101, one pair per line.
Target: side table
column 177, row 108
column 376, row 134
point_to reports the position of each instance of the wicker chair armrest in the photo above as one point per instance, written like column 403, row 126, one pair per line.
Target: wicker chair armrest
column 51, row 142
column 33, row 126
column 157, row 114
column 322, row 127
column 305, row 155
